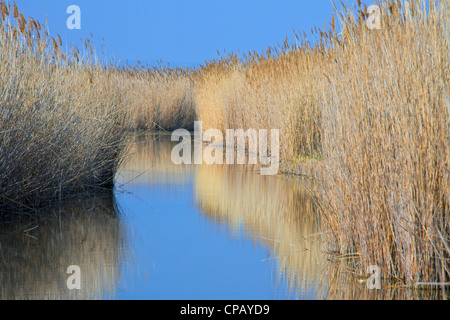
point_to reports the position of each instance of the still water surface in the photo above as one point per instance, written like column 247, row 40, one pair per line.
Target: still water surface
column 211, row 232
column 178, row 232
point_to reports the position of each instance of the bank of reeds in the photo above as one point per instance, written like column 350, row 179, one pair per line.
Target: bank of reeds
column 386, row 141
column 373, row 107
column 60, row 118
column 265, row 92
column 158, row 98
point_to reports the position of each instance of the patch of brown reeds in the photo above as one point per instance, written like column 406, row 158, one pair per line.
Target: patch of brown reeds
column 158, row 98
column 386, row 141
column 373, row 107
column 61, row 126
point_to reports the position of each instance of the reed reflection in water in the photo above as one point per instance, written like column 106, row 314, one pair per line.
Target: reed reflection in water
column 276, row 212
column 36, row 252
column 149, row 161
column 279, row 213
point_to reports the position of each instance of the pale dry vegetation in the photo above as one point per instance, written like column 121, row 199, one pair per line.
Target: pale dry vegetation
column 264, row 92
column 60, row 118
column 373, row 107
column 386, row 141
column 368, row 111
column 65, row 116
column 158, row 98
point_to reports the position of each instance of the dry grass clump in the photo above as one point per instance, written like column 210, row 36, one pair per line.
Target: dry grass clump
column 61, row 124
column 374, row 105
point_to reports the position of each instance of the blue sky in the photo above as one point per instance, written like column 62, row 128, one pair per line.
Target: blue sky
column 182, row 32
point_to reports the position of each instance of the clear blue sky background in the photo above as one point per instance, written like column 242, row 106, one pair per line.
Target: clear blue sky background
column 182, row 32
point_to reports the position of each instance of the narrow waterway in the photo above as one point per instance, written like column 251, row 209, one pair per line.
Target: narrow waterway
column 215, row 231
column 179, row 232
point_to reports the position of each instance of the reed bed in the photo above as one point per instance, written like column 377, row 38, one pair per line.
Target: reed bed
column 65, row 115
column 264, row 92
column 60, row 117
column 369, row 112
column 386, row 139
column 158, row 98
